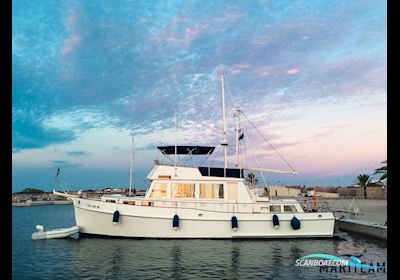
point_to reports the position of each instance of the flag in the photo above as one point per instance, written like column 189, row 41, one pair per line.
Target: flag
column 58, row 171
column 241, row 134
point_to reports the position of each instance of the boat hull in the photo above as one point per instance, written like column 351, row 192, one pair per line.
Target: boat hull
column 96, row 218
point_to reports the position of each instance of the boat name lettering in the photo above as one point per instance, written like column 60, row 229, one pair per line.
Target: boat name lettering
column 92, row 206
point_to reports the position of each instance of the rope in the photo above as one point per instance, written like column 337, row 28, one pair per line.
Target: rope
column 258, row 164
column 259, row 132
column 266, row 140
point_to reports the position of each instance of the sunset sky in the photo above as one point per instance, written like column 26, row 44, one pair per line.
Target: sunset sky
column 311, row 75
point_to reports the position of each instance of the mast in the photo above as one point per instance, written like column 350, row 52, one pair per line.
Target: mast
column 176, row 139
column 237, row 116
column 224, row 142
column 131, row 167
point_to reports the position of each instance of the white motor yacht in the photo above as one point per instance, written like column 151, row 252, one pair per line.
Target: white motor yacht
column 199, row 202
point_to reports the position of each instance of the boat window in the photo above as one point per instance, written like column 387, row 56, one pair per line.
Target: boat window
column 211, row 191
column 159, row 191
column 221, row 191
column 274, row 208
column 182, row 190
column 289, row 208
column 129, row 202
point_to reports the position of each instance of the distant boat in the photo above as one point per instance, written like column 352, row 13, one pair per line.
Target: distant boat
column 199, row 202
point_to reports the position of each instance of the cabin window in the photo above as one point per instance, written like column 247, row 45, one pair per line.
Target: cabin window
column 183, row 190
column 289, row 208
column 221, row 191
column 274, row 208
column 159, row 191
column 211, row 191
column 129, row 202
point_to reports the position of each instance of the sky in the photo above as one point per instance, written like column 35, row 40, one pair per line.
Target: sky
column 310, row 75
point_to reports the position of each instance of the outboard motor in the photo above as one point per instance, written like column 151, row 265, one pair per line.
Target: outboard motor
column 175, row 222
column 116, row 218
column 40, row 228
column 275, row 221
column 234, row 223
column 295, row 223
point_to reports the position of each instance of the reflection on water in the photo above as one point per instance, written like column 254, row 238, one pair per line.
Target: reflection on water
column 105, row 258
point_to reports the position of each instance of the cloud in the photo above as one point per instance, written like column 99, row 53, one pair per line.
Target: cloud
column 72, row 42
column 292, row 71
column 262, row 71
column 77, row 153
column 80, row 67
column 32, row 134
column 63, row 163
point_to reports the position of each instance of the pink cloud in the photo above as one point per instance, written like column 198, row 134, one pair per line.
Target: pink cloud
column 292, row 71
column 262, row 71
column 191, row 33
column 70, row 44
column 74, row 39
column 235, row 71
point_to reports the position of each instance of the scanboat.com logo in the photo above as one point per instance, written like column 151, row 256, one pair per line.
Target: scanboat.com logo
column 325, row 260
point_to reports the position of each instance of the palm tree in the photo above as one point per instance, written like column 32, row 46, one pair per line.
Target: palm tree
column 382, row 170
column 363, row 180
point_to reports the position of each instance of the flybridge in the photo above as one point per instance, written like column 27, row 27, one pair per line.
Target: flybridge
column 202, row 150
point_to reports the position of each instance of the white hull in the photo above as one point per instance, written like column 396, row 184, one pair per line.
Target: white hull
column 95, row 217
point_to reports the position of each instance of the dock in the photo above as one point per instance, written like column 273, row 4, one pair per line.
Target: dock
column 363, row 216
column 362, row 227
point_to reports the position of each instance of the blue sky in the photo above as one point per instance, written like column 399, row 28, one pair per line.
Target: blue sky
column 310, row 74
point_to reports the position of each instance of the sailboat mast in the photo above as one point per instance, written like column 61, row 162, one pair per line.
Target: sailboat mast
column 224, row 142
column 176, row 139
column 131, row 167
column 237, row 116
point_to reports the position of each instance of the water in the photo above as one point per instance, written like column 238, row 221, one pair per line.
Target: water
column 108, row 258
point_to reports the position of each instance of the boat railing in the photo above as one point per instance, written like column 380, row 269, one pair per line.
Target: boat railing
column 208, row 205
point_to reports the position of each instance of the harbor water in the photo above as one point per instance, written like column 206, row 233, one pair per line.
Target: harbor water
column 114, row 258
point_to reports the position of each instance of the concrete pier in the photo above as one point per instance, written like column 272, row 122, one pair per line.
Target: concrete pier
column 363, row 227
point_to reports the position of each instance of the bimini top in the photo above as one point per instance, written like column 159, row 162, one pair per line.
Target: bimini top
column 186, row 150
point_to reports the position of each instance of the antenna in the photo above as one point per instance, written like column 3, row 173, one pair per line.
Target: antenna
column 224, row 142
column 131, row 166
column 176, row 139
column 237, row 116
